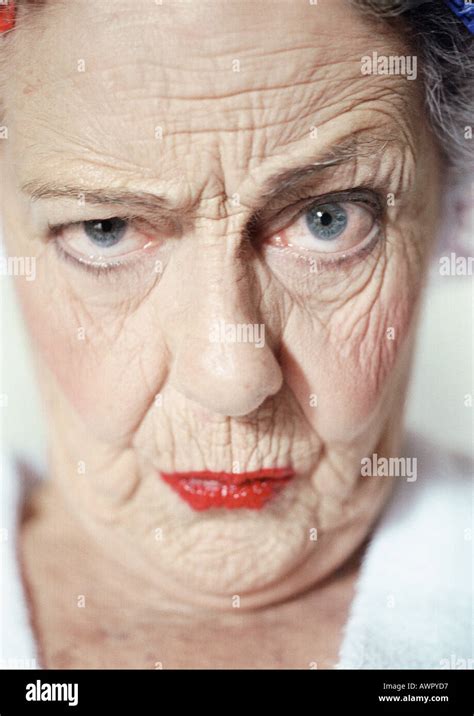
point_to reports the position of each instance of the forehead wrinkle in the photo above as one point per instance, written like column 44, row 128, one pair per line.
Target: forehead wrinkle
column 143, row 97
column 273, row 133
column 163, row 56
column 159, row 207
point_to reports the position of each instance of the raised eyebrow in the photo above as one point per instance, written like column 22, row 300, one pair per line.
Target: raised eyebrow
column 346, row 152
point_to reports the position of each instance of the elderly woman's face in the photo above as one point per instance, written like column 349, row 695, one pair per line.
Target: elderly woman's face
column 230, row 222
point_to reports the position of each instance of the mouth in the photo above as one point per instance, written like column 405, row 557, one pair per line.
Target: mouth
column 250, row 490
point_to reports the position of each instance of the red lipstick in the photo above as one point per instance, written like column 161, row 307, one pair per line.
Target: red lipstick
column 203, row 490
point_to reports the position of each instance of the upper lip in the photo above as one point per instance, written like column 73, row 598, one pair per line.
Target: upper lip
column 234, row 478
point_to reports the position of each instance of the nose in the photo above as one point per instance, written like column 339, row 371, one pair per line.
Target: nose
column 223, row 359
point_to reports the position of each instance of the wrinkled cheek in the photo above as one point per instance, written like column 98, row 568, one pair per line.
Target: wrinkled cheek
column 347, row 380
column 109, row 385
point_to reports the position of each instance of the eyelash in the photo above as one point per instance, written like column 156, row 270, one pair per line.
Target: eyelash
column 109, row 270
column 106, row 271
column 375, row 199
column 336, row 261
column 362, row 194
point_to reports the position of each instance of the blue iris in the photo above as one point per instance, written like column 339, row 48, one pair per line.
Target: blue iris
column 326, row 221
column 107, row 232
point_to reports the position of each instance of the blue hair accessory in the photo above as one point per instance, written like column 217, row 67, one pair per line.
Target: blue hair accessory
column 464, row 11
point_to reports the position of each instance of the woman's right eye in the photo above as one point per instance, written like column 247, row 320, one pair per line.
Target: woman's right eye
column 105, row 232
column 101, row 241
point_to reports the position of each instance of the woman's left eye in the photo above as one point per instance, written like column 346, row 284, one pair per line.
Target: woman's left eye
column 101, row 241
column 329, row 227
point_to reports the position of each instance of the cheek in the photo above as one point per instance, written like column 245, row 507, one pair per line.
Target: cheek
column 345, row 373
column 109, row 371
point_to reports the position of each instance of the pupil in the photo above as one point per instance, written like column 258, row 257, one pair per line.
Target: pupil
column 106, row 232
column 327, row 221
column 325, row 218
column 106, row 225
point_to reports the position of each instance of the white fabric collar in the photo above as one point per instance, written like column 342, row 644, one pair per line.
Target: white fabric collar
column 413, row 603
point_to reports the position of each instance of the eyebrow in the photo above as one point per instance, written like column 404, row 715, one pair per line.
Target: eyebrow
column 273, row 188
column 343, row 152
column 139, row 202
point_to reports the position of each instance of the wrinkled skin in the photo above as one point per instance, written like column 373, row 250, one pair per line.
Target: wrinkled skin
column 108, row 344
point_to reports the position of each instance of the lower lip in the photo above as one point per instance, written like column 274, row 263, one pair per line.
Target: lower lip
column 250, row 490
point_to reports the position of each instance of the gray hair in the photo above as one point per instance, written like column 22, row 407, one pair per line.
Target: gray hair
column 446, row 51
